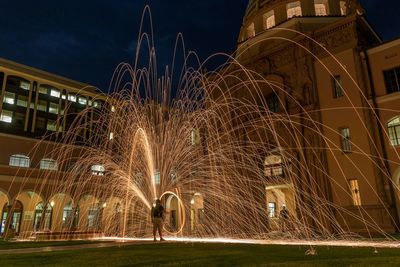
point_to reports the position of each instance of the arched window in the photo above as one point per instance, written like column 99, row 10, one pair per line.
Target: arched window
column 67, row 218
column 38, row 217
column 18, row 160
column 394, row 131
column 16, row 216
column 98, row 170
column 48, row 164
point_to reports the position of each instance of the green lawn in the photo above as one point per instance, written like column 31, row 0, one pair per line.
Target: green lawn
column 198, row 254
column 15, row 245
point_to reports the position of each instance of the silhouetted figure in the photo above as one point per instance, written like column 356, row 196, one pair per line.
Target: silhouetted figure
column 157, row 218
column 284, row 218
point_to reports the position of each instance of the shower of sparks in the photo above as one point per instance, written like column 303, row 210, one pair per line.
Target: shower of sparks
column 201, row 146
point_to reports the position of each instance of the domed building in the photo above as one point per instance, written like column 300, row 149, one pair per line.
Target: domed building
column 337, row 78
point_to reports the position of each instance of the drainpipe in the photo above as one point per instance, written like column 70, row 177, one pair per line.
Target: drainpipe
column 393, row 205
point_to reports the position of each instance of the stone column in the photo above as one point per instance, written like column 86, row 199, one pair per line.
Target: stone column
column 307, row 8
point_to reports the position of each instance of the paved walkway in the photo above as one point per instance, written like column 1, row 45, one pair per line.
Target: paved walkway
column 70, row 247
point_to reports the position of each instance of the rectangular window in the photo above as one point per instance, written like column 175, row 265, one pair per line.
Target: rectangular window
column 82, row 100
column 157, row 178
column 42, row 105
column 48, row 164
column 43, row 90
column 53, row 108
column 269, row 20
column 51, row 126
column 72, row 98
column 195, row 137
column 22, row 101
column 293, row 9
column 6, row 116
column 273, row 102
column 321, row 7
column 64, row 97
column 337, row 86
column 19, row 161
column 345, row 139
column 355, row 192
column 392, row 80
column 55, row 93
column 251, row 32
column 24, row 85
column 272, row 210
column 343, row 8
column 9, row 98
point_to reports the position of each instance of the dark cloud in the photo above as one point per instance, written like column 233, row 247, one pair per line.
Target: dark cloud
column 85, row 40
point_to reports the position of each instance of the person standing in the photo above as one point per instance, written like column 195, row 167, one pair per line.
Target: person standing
column 157, row 218
column 284, row 217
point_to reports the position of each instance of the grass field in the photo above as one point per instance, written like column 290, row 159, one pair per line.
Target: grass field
column 201, row 254
column 4, row 245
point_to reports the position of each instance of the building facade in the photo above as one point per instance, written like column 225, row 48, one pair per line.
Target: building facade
column 334, row 69
column 37, row 110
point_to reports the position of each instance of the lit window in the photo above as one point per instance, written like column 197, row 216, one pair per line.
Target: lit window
column 355, row 192
column 157, row 178
column 112, row 109
column 22, row 101
column 343, row 8
column 251, row 32
column 19, row 161
column 82, row 100
column 96, row 104
column 6, row 116
column 67, row 215
column 272, row 209
column 195, row 137
column 53, row 108
column 337, row 86
column 111, row 136
column 24, row 85
column 98, row 170
column 72, row 98
column 394, row 131
column 43, row 90
column 48, row 164
column 42, row 105
column 345, row 139
column 269, row 20
column 321, row 7
column 392, row 80
column 273, row 166
column 51, row 126
column 293, row 9
column 90, row 103
column 9, row 98
column 64, row 97
column 55, row 93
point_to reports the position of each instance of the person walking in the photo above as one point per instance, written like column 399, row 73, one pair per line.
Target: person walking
column 157, row 218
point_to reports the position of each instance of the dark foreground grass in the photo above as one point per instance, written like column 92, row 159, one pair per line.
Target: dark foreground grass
column 198, row 254
column 4, row 245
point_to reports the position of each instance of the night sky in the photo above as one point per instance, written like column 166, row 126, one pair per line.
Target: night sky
column 86, row 39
